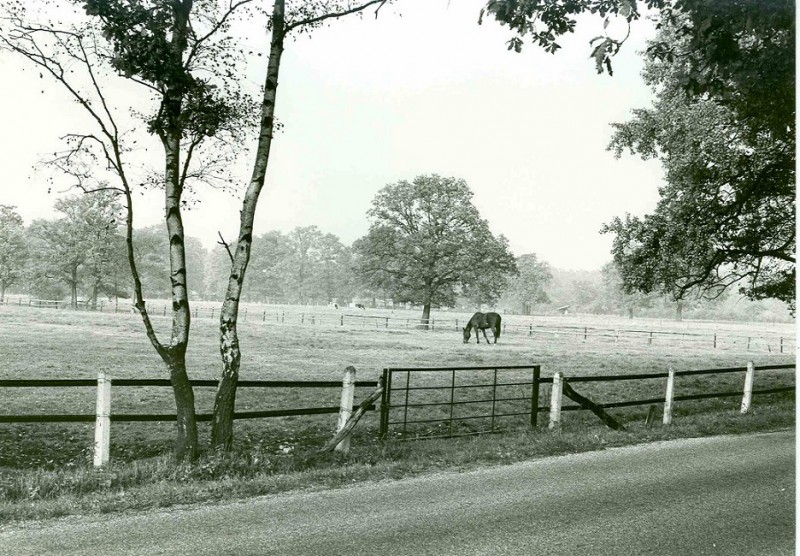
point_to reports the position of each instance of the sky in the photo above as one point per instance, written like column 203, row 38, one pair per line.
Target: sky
column 421, row 89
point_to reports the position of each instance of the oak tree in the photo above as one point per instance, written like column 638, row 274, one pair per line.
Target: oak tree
column 427, row 243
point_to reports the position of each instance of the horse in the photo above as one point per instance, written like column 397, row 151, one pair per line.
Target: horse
column 480, row 322
column 360, row 306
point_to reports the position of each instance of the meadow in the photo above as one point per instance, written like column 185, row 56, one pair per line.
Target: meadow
column 48, row 343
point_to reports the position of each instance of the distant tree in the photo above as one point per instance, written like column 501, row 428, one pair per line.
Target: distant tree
column 427, row 241
column 302, row 263
column 97, row 216
column 77, row 249
column 58, row 256
column 334, row 272
column 584, row 293
column 151, row 246
column 269, row 278
column 13, row 249
column 614, row 297
column 528, row 288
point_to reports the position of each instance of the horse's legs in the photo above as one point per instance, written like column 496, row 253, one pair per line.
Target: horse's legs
column 484, row 335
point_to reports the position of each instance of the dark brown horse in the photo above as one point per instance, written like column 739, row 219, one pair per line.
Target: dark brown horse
column 480, row 322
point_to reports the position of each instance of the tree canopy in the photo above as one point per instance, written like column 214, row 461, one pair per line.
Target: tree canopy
column 727, row 210
column 427, row 242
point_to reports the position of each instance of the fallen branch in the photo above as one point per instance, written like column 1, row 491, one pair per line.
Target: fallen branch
column 586, row 403
column 354, row 418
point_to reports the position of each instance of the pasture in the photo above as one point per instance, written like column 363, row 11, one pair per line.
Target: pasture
column 42, row 343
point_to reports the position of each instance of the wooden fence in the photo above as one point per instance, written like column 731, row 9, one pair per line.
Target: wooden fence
column 770, row 344
column 103, row 416
column 397, row 398
column 669, row 398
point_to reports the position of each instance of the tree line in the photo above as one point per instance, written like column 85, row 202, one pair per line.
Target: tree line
column 81, row 257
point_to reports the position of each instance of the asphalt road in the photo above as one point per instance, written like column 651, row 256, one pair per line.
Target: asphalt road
column 723, row 495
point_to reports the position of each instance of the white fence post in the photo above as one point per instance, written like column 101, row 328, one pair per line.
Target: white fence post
column 748, row 387
column 669, row 396
column 555, row 401
column 346, row 406
column 102, row 425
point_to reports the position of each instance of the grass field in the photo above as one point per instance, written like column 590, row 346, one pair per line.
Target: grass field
column 47, row 343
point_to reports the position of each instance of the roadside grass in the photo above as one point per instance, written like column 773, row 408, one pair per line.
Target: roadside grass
column 46, row 469
column 253, row 470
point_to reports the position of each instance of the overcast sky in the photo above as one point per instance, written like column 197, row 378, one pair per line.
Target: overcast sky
column 369, row 102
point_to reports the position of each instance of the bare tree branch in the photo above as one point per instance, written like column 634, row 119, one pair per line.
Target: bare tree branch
column 225, row 244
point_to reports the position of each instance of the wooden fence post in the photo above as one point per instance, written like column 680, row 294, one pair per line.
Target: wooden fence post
column 748, row 387
column 650, row 339
column 715, row 341
column 748, row 343
column 555, row 401
column 102, row 424
column 669, row 396
column 346, row 406
column 781, row 344
column 535, row 396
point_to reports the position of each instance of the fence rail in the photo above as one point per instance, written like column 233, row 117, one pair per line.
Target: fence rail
column 103, row 416
column 343, row 317
column 397, row 398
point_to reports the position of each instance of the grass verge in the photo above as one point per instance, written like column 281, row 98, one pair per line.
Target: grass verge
column 251, row 471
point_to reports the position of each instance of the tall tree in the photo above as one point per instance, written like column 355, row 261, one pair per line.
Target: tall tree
column 180, row 53
column 427, row 241
column 724, row 125
column 300, row 17
column 13, row 248
column 727, row 212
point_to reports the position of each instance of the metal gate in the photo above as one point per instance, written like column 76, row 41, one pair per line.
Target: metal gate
column 442, row 402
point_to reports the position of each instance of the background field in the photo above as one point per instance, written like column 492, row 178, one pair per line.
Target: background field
column 49, row 343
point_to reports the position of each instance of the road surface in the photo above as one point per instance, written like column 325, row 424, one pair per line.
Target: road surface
column 730, row 495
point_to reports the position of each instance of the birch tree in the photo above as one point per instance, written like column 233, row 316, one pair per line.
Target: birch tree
column 181, row 58
column 284, row 20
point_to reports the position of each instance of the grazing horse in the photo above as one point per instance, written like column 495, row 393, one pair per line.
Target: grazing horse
column 480, row 322
column 359, row 306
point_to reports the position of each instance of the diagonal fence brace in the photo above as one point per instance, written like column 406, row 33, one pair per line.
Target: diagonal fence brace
column 586, row 403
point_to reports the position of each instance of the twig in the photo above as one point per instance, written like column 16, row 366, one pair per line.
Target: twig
column 227, row 248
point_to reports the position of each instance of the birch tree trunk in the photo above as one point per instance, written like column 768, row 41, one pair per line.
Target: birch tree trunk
column 224, row 403
column 175, row 354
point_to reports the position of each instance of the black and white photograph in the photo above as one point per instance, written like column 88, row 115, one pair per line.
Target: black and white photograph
column 407, row 277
